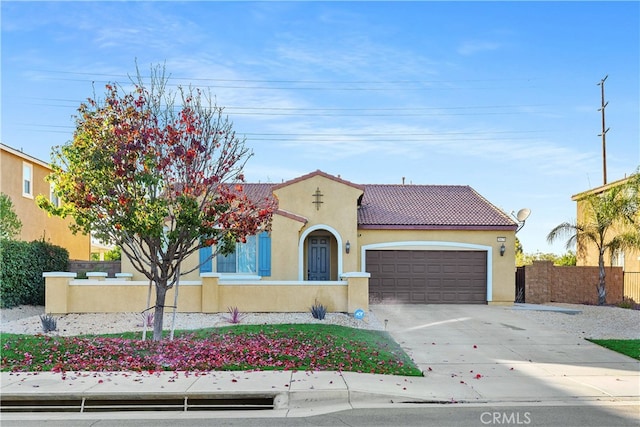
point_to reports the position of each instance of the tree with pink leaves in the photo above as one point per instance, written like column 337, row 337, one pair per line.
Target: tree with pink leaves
column 160, row 174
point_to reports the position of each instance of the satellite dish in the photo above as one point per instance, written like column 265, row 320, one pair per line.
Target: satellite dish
column 523, row 214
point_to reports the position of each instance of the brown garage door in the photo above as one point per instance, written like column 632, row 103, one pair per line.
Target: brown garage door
column 428, row 277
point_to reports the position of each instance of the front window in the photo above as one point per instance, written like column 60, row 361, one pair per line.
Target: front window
column 27, row 180
column 243, row 260
column 53, row 198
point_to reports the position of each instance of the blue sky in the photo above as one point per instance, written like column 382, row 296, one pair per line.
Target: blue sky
column 500, row 96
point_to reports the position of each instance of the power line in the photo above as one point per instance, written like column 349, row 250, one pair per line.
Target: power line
column 331, row 86
column 283, row 84
column 359, row 134
column 127, row 76
column 338, row 112
column 351, row 137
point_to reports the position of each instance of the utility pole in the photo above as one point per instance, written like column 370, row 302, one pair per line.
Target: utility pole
column 604, row 132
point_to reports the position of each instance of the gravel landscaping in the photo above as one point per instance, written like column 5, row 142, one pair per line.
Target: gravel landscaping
column 26, row 320
column 597, row 322
column 592, row 322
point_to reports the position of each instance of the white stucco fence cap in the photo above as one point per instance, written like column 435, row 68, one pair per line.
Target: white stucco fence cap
column 59, row 274
column 355, row 274
column 97, row 274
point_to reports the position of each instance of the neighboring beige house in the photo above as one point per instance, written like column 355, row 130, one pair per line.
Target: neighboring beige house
column 22, row 178
column 629, row 260
column 99, row 249
column 419, row 243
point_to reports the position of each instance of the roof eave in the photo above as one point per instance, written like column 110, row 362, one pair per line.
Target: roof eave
column 437, row 227
column 25, row 156
column 318, row 173
column 292, row 216
column 601, row 188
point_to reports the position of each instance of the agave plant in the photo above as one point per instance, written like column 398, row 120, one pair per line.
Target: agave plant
column 49, row 323
column 147, row 318
column 318, row 311
column 235, row 316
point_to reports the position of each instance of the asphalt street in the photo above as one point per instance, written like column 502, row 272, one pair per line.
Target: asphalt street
column 596, row 414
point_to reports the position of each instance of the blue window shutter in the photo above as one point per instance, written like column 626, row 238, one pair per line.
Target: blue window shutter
column 205, row 259
column 264, row 254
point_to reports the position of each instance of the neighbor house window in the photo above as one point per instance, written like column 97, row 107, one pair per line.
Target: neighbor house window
column 617, row 260
column 27, row 180
column 53, row 198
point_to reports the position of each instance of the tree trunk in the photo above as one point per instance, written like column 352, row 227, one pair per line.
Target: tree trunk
column 161, row 293
column 175, row 303
column 602, row 294
column 602, row 291
column 145, row 314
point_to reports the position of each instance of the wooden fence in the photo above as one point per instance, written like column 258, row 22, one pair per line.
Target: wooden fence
column 632, row 285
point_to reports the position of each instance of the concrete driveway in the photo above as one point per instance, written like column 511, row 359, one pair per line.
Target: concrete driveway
column 491, row 353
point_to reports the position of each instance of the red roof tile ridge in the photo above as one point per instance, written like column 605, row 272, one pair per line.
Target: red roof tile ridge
column 318, row 172
column 497, row 209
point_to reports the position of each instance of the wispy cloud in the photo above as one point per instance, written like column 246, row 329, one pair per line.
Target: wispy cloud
column 471, row 47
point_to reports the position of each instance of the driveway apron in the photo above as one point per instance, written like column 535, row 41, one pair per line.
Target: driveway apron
column 492, row 353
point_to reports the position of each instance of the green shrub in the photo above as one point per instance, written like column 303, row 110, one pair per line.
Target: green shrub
column 628, row 302
column 21, row 268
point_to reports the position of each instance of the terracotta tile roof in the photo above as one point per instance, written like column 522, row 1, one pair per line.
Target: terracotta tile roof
column 414, row 206
column 428, row 207
column 258, row 192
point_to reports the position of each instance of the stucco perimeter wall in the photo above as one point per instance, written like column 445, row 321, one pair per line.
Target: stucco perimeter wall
column 189, row 265
column 65, row 294
column 500, row 268
column 545, row 282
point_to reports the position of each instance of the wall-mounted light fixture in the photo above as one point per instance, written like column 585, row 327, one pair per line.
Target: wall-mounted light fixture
column 347, row 247
column 502, row 250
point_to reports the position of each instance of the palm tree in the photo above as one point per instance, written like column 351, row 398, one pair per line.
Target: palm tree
column 609, row 221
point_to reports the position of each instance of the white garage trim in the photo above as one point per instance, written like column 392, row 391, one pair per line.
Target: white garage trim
column 432, row 245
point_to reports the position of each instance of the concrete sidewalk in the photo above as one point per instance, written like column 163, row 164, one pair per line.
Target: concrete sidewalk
column 469, row 354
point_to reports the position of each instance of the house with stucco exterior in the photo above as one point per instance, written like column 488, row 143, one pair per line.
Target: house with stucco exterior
column 414, row 243
column 23, row 178
column 628, row 259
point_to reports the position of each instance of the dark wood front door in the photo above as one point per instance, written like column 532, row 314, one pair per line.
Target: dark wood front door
column 318, row 263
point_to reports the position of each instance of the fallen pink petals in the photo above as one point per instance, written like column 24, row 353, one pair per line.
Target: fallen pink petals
column 216, row 352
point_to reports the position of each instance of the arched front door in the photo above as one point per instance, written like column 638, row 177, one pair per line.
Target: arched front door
column 319, row 254
column 319, row 258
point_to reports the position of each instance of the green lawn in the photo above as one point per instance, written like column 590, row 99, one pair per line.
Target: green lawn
column 237, row 347
column 630, row 348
